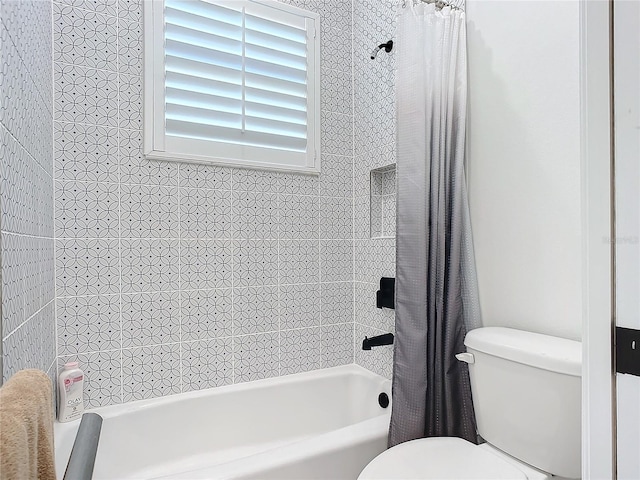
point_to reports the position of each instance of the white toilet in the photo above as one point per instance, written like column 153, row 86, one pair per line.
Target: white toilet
column 526, row 394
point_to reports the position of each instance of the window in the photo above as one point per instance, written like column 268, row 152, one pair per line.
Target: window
column 232, row 82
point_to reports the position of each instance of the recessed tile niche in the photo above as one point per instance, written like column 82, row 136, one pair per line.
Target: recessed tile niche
column 383, row 202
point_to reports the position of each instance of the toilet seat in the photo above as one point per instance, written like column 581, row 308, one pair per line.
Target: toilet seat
column 440, row 458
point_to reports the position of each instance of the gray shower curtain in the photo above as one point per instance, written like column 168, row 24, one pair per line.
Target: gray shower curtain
column 436, row 290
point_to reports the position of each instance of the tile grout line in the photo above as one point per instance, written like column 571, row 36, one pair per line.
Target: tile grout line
column 233, row 286
column 53, row 207
column 179, row 228
column 279, row 292
column 353, row 184
column 118, row 164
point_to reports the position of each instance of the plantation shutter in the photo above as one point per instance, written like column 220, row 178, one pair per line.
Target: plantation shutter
column 237, row 81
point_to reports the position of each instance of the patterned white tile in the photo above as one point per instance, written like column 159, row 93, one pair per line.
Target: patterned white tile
column 255, row 215
column 376, row 216
column 336, row 91
column 44, row 204
column 83, row 37
column 363, row 267
column 386, row 252
column 299, row 217
column 336, row 302
column 130, row 47
column 336, row 260
column 130, row 101
column 389, row 215
column 19, row 172
column 150, row 318
column 22, row 101
column 389, row 182
column 300, row 350
column 86, row 95
column 149, row 265
column 149, row 211
column 370, row 134
column 300, row 306
column 26, row 190
column 299, row 261
column 256, row 356
column 45, row 325
column 149, row 372
column 47, row 266
column 206, row 314
column 205, row 264
column 107, row 7
column 337, row 133
column 381, row 249
column 87, row 209
column 207, row 364
column 205, row 176
column 134, row 168
column 88, row 324
column 250, row 180
column 28, row 30
column 336, row 179
column 361, row 218
column 12, row 282
column 335, row 14
column 19, row 351
column 366, row 312
column 86, row 153
column 337, row 344
column 337, row 218
column 377, row 177
column 205, row 213
column 130, row 9
column 255, row 262
column 31, row 280
column 367, row 159
column 102, row 381
column 87, row 267
column 255, row 310
column 374, row 16
column 298, row 184
column 336, row 51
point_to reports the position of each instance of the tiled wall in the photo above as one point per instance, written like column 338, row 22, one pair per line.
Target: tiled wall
column 374, row 147
column 26, row 137
column 173, row 277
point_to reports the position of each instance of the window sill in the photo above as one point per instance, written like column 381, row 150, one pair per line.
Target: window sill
column 222, row 162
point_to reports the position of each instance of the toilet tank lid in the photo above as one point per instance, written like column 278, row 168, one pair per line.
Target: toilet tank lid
column 555, row 354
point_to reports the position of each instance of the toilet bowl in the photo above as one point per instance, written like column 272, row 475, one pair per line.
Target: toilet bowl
column 526, row 394
column 445, row 458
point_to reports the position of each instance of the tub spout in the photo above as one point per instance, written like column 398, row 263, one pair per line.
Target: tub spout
column 386, row 339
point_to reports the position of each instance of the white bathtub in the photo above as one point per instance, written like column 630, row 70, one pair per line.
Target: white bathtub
column 325, row 424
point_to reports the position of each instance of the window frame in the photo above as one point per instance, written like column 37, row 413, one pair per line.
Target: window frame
column 255, row 157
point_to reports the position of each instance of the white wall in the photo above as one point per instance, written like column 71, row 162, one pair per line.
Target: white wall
column 524, row 162
column 627, row 156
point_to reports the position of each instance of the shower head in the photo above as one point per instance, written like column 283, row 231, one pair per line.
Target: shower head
column 387, row 48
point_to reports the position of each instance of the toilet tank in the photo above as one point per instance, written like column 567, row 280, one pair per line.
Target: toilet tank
column 527, row 396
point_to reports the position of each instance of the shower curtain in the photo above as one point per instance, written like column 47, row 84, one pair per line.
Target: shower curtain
column 436, row 289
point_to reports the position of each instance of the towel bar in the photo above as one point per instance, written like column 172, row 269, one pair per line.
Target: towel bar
column 85, row 447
